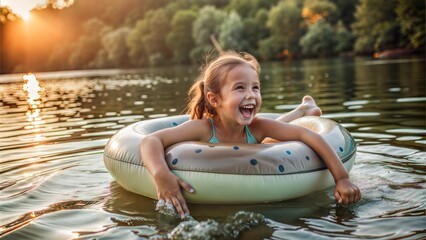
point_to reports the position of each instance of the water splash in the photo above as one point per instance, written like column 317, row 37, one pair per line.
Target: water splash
column 210, row 229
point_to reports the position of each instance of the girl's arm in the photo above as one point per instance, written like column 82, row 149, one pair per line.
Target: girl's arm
column 152, row 154
column 345, row 192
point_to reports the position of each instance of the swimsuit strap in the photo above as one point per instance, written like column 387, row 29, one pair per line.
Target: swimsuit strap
column 213, row 139
column 250, row 138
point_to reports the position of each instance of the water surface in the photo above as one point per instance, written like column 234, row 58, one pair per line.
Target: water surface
column 54, row 185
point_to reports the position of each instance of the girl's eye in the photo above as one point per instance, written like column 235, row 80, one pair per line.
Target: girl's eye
column 256, row 87
column 239, row 87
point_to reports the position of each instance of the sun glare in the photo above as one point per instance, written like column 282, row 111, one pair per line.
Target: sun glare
column 34, row 118
column 26, row 16
column 32, row 87
column 23, row 8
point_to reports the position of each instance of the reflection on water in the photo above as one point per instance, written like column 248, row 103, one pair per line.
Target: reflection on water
column 32, row 87
column 54, row 184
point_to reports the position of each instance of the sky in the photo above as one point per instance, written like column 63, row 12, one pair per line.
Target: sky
column 23, row 8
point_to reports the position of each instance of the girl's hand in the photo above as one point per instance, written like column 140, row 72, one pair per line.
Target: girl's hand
column 346, row 192
column 168, row 189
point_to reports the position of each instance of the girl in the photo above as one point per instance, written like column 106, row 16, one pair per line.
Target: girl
column 223, row 107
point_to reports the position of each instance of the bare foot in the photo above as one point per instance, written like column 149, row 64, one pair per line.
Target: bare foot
column 309, row 107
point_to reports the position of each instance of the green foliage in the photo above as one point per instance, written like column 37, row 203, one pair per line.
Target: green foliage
column 346, row 10
column 270, row 48
column 375, row 26
column 86, row 48
column 255, row 30
column 180, row 37
column 231, row 33
column 244, row 8
column 411, row 17
column 345, row 39
column 115, row 50
column 284, row 23
column 314, row 10
column 320, row 40
column 147, row 41
column 207, row 23
column 158, row 32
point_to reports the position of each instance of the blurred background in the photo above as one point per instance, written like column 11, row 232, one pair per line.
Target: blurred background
column 53, row 35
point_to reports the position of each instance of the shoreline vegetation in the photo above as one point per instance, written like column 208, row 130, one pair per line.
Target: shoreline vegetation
column 150, row 33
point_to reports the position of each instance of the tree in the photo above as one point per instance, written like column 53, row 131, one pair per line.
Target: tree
column 315, row 10
column 114, row 51
column 207, row 23
column 411, row 18
column 244, row 8
column 248, row 9
column 147, row 40
column 375, row 26
column 84, row 51
column 344, row 37
column 285, row 25
column 180, row 38
column 231, row 33
column 255, row 30
column 137, row 51
column 320, row 40
column 346, row 10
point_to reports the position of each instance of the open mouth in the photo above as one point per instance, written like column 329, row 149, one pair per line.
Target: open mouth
column 247, row 110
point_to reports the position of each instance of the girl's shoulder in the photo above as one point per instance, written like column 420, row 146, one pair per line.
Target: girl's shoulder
column 197, row 123
column 201, row 126
column 262, row 127
column 257, row 121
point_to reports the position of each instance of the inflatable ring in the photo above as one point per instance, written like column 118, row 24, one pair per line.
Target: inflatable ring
column 227, row 173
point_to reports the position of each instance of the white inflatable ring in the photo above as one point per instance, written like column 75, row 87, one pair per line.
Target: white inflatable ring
column 225, row 173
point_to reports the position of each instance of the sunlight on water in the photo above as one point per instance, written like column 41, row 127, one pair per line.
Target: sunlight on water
column 53, row 128
column 32, row 87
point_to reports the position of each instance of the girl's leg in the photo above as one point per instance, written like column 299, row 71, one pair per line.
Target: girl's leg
column 308, row 107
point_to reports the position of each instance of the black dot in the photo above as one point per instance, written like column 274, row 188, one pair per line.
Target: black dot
column 198, row 150
column 281, row 168
column 174, row 161
column 236, row 147
column 253, row 162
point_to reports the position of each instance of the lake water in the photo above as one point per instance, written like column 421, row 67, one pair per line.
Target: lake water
column 54, row 185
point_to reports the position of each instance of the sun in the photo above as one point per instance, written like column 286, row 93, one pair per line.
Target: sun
column 22, row 8
column 26, row 16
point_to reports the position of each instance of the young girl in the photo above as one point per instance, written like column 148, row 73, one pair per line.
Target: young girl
column 223, row 108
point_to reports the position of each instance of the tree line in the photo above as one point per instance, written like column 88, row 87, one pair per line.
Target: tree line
column 141, row 33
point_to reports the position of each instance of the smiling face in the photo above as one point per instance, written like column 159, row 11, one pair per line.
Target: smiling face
column 239, row 99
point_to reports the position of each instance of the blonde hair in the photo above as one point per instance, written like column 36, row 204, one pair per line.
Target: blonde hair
column 211, row 80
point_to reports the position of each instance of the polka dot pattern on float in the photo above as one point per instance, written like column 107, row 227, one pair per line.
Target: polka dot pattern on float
column 253, row 162
column 281, row 168
column 175, row 124
column 288, row 152
column 175, row 161
column 307, row 158
column 236, row 147
column 198, row 150
column 340, row 149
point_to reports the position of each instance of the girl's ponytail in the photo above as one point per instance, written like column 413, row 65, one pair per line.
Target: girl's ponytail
column 197, row 103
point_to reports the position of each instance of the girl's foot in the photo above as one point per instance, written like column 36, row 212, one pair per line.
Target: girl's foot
column 309, row 107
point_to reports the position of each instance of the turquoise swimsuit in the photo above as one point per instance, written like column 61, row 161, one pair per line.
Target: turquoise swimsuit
column 250, row 138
